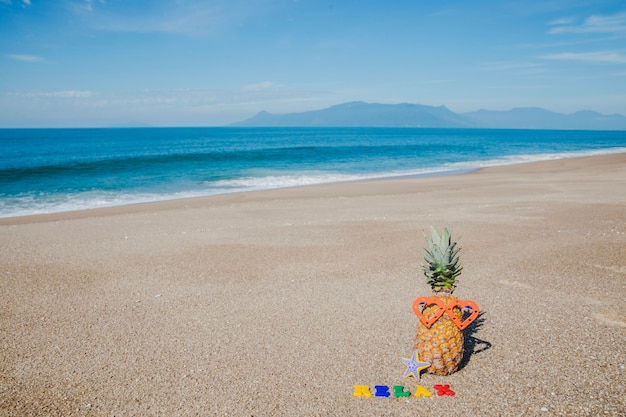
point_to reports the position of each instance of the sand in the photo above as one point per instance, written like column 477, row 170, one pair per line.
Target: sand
column 278, row 303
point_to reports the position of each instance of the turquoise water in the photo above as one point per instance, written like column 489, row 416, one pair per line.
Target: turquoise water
column 51, row 170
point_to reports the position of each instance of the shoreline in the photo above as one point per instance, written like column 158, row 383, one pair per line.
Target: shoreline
column 59, row 215
column 280, row 302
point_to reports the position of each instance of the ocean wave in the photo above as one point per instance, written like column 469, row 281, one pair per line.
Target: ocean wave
column 253, row 183
column 32, row 204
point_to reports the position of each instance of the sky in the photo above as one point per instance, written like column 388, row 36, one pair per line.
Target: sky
column 101, row 63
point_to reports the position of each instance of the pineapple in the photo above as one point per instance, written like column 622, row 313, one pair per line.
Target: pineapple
column 441, row 344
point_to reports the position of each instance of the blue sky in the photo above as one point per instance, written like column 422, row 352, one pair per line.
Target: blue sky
column 207, row 63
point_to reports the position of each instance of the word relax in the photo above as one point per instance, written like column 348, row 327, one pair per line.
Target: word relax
column 400, row 391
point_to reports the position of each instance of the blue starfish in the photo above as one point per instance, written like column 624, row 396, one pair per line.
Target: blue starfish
column 414, row 366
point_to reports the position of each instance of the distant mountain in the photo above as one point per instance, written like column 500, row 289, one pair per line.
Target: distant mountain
column 536, row 118
column 360, row 114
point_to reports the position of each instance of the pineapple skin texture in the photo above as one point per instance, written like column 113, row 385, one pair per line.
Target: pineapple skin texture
column 442, row 343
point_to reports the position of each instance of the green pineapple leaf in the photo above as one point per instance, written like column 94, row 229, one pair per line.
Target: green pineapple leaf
column 442, row 260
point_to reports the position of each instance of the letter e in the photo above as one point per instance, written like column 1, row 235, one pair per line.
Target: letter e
column 382, row 390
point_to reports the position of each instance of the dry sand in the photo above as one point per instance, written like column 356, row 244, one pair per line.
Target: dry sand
column 277, row 303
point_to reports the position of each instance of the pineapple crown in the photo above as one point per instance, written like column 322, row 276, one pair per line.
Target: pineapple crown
column 442, row 261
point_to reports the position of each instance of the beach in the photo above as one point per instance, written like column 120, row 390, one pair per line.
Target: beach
column 277, row 303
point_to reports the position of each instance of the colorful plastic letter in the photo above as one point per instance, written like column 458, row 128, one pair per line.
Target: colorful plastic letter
column 420, row 391
column 362, row 391
column 398, row 391
column 382, row 391
column 443, row 389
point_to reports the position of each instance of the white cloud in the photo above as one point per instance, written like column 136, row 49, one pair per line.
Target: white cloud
column 600, row 56
column 24, row 2
column 186, row 107
column 82, row 6
column 615, row 23
column 562, row 21
column 181, row 17
column 71, row 94
column 168, row 98
column 507, row 66
column 56, row 94
column 26, row 58
column 437, row 82
column 264, row 85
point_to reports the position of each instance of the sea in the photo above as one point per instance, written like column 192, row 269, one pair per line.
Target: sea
column 57, row 170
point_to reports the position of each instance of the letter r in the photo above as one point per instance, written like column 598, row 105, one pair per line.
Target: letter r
column 362, row 391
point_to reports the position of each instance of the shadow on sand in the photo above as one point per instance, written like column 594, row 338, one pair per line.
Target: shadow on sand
column 473, row 345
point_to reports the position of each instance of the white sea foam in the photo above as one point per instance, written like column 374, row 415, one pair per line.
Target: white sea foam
column 37, row 204
column 316, row 177
column 26, row 206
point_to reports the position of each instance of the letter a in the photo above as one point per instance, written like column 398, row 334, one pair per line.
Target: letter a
column 420, row 391
column 362, row 391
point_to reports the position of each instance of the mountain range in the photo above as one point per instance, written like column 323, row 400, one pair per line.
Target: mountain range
column 361, row 114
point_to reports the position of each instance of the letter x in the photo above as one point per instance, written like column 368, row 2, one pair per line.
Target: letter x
column 443, row 389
